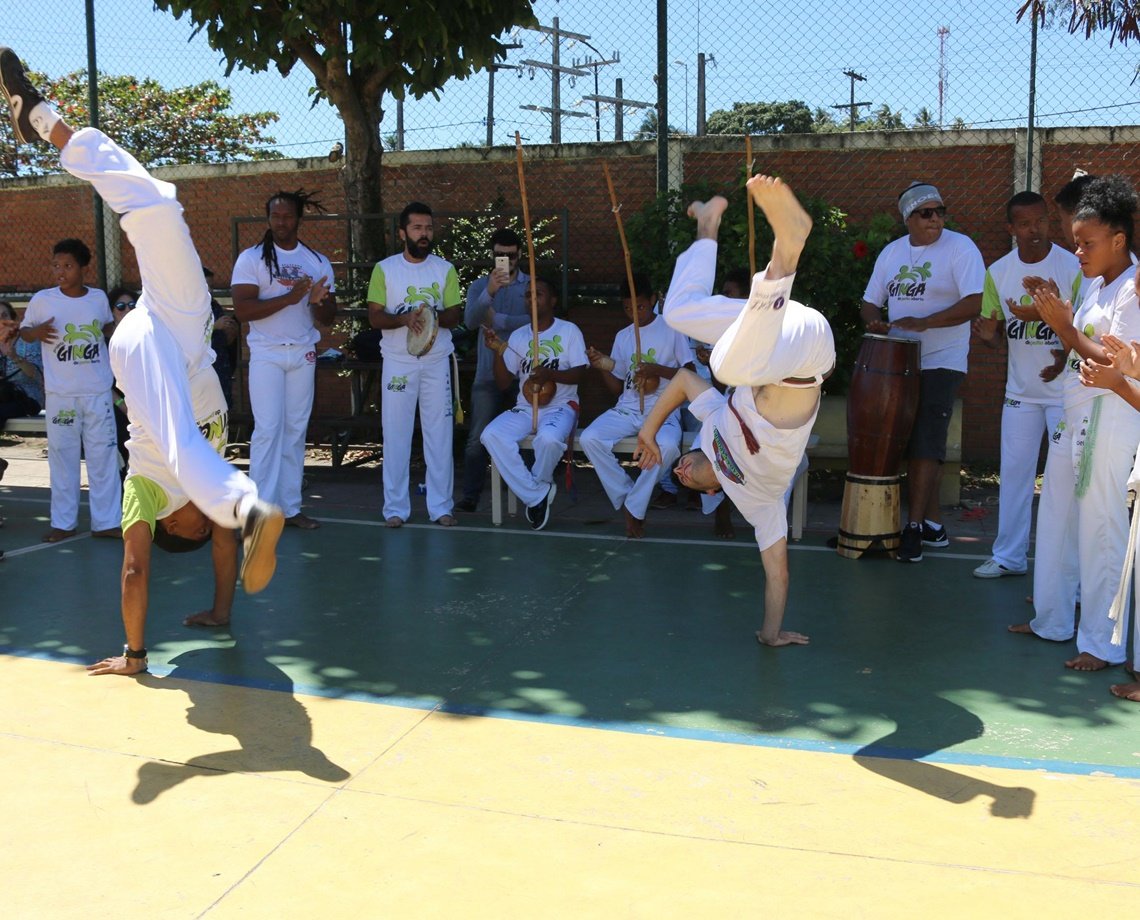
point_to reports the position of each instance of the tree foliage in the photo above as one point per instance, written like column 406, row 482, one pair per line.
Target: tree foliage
column 162, row 127
column 358, row 51
column 1119, row 18
column 792, row 117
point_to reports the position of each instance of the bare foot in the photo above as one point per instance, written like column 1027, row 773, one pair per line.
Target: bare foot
column 722, row 521
column 634, row 527
column 394, row 522
column 111, row 533
column 707, row 214
column 790, row 222
column 1022, row 629
column 1126, row 691
column 1086, row 662
column 446, row 520
column 206, row 620
column 55, row 535
column 302, row 521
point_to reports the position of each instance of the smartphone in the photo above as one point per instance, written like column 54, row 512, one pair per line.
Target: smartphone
column 502, row 264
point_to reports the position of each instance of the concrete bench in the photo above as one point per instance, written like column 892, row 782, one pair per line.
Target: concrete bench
column 33, row 424
column 625, row 448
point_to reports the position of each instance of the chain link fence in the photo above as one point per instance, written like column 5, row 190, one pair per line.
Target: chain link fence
column 848, row 103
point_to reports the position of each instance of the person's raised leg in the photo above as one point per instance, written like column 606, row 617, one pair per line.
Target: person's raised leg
column 690, row 306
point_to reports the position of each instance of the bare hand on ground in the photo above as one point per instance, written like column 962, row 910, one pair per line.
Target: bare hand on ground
column 117, row 664
column 783, row 637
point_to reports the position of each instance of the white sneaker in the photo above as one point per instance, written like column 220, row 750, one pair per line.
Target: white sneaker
column 991, row 569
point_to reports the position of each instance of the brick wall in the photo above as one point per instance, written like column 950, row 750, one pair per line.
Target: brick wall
column 863, row 174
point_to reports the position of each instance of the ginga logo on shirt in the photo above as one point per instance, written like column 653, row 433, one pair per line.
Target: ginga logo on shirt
column 214, row 428
column 1020, row 330
column 416, row 297
column 910, row 283
column 80, row 344
column 548, row 352
column 650, row 357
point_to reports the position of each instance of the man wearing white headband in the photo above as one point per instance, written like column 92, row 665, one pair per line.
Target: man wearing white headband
column 931, row 283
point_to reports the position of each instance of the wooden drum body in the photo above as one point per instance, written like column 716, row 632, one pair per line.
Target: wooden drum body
column 881, row 408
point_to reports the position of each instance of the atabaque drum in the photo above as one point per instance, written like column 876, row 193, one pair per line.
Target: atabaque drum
column 881, row 407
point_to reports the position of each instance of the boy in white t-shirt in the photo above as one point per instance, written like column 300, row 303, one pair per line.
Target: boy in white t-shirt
column 776, row 352
column 1033, row 389
column 72, row 322
column 635, row 378
column 557, row 370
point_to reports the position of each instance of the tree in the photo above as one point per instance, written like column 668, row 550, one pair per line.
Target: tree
column 792, row 117
column 358, row 51
column 1120, row 18
column 648, row 129
column 924, row 120
column 883, row 119
column 187, row 124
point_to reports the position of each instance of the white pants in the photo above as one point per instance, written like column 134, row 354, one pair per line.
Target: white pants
column 426, row 383
column 1093, row 527
column 598, row 440
column 502, row 437
column 87, row 421
column 282, row 379
column 174, row 311
column 173, row 286
column 751, row 346
column 1022, row 425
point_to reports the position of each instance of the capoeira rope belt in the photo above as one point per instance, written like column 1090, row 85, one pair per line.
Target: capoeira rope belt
column 1086, row 445
column 569, row 456
column 1116, row 612
column 749, row 438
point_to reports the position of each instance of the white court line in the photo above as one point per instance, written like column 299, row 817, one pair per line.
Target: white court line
column 614, row 538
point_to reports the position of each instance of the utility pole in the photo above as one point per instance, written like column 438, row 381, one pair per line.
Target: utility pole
column 595, row 65
column 943, row 34
column 620, row 104
column 557, row 113
column 852, row 106
column 702, row 59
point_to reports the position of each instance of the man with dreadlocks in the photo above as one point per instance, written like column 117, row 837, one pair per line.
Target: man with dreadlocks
column 282, row 288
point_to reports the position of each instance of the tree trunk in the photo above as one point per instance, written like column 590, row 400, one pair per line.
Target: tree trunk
column 361, row 179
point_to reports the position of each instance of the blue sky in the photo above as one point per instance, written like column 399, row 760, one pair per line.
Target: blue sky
column 802, row 56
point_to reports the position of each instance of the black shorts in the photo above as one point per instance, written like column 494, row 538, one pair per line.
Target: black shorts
column 938, row 388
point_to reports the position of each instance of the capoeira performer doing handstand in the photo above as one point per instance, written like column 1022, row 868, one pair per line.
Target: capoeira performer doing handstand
column 178, row 489
column 777, row 353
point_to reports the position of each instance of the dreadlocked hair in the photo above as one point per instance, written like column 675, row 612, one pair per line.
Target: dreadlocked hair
column 300, row 200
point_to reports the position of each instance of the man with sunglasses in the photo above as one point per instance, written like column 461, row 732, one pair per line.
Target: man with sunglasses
column 497, row 301
column 931, row 283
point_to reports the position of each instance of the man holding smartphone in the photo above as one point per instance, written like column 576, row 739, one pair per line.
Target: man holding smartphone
column 496, row 301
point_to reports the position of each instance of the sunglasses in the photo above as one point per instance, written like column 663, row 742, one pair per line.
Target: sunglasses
column 927, row 213
column 125, row 305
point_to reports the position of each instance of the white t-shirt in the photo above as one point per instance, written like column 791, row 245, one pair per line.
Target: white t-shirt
column 77, row 364
column 1104, row 308
column 402, row 286
column 560, row 348
column 756, row 483
column 923, row 280
column 294, row 324
column 1030, row 343
column 660, row 344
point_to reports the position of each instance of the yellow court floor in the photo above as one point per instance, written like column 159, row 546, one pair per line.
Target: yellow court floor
column 215, row 800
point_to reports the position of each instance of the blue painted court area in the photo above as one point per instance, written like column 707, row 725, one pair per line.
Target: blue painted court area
column 575, row 626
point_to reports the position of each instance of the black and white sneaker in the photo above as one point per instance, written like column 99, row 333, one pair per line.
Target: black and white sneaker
column 910, row 546
column 539, row 514
column 21, row 95
column 934, row 536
